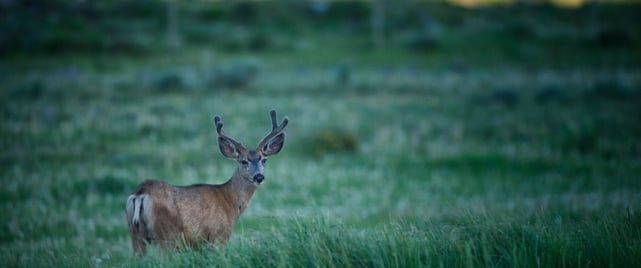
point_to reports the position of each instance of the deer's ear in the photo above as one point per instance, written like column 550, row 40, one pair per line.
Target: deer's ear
column 274, row 145
column 228, row 147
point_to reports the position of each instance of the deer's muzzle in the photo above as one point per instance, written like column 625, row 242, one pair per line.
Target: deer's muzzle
column 258, row 178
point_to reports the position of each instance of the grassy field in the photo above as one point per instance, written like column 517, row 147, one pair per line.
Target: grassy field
column 492, row 141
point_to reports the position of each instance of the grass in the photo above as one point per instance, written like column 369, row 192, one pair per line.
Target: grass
column 443, row 158
column 464, row 240
column 427, row 161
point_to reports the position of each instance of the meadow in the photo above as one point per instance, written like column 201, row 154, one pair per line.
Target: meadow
column 506, row 136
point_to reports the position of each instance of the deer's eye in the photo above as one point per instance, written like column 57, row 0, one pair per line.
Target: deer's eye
column 244, row 162
column 263, row 161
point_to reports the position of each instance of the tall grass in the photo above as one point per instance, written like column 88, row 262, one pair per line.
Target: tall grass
column 545, row 239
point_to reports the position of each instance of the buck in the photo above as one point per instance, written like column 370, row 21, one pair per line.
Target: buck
column 169, row 215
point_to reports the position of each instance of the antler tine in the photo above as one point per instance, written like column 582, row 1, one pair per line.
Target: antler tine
column 283, row 124
column 274, row 122
column 275, row 126
column 219, row 125
column 219, row 128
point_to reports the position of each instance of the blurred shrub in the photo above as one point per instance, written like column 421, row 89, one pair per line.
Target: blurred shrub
column 29, row 89
column 244, row 11
column 550, row 93
column 170, row 80
column 107, row 185
column 504, row 96
column 133, row 43
column 418, row 41
column 609, row 88
column 200, row 33
column 235, row 75
column 103, row 186
column 210, row 12
column 425, row 39
column 331, row 140
column 77, row 26
column 519, row 28
column 341, row 10
column 343, row 74
column 613, row 37
column 233, row 37
column 579, row 137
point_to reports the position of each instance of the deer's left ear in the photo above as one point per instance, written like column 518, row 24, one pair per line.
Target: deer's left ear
column 274, row 145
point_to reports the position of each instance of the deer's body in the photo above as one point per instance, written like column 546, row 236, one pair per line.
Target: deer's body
column 158, row 212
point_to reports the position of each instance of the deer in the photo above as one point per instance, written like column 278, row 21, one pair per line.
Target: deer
column 171, row 216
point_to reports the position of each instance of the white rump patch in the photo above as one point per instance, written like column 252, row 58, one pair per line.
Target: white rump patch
column 136, row 204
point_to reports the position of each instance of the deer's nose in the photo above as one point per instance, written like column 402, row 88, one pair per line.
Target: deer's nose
column 259, row 178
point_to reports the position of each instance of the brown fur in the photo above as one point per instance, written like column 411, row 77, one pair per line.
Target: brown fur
column 168, row 215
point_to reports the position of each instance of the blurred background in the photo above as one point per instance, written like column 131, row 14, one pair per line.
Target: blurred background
column 399, row 111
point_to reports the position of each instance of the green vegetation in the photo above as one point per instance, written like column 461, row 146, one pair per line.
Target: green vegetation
column 504, row 136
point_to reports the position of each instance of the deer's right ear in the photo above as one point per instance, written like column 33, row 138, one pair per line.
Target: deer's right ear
column 228, row 147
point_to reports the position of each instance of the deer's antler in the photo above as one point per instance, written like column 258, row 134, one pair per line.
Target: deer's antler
column 276, row 129
column 219, row 128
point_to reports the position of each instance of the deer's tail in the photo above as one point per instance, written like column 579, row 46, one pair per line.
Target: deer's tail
column 139, row 221
column 136, row 206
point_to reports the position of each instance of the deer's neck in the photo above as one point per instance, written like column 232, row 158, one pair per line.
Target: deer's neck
column 239, row 192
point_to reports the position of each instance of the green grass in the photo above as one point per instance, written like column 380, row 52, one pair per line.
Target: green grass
column 456, row 156
column 439, row 177
column 442, row 175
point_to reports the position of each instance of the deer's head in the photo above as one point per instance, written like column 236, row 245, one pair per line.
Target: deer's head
column 252, row 162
